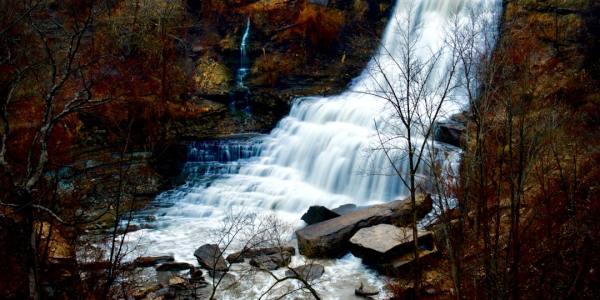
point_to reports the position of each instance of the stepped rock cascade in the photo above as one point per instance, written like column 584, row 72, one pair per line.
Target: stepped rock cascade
column 317, row 155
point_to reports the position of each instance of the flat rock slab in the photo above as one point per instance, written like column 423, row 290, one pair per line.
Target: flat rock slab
column 308, row 272
column 385, row 241
column 331, row 238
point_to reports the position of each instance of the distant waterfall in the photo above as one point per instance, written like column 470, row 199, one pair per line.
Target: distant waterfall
column 244, row 68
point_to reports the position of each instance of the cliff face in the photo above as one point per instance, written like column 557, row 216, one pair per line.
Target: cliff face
column 295, row 48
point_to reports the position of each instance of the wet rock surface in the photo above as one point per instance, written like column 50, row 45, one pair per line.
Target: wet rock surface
column 209, row 256
column 272, row 261
column 149, row 261
column 316, row 214
column 365, row 291
column 307, row 272
column 174, row 266
column 450, row 132
column 238, row 257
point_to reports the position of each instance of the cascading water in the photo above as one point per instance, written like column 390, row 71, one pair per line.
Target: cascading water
column 243, row 69
column 316, row 155
column 240, row 95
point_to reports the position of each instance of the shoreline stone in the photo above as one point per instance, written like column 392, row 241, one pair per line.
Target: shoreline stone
column 384, row 242
column 209, row 256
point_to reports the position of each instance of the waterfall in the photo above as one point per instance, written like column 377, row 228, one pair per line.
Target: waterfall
column 243, row 69
column 317, row 155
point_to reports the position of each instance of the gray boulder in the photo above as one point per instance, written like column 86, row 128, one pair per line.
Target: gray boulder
column 209, row 256
column 316, row 214
column 330, row 238
column 238, row 257
column 308, row 272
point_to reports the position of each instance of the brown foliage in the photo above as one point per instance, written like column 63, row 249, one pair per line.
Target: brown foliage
column 317, row 26
column 270, row 69
column 536, row 128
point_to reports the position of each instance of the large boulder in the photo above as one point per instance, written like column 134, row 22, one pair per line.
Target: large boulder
column 383, row 242
column 330, row 238
column 209, row 256
column 307, row 272
column 316, row 214
column 238, row 257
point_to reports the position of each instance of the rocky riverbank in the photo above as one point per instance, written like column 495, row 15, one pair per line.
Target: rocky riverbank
column 370, row 235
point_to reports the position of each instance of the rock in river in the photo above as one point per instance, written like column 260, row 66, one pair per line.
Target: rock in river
column 272, row 261
column 209, row 256
column 174, row 266
column 330, row 238
column 365, row 291
column 250, row 253
column 316, row 214
column 149, row 261
column 384, row 242
column 308, row 272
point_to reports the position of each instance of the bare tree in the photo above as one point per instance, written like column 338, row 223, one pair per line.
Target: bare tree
column 416, row 83
column 254, row 234
column 68, row 88
column 472, row 41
